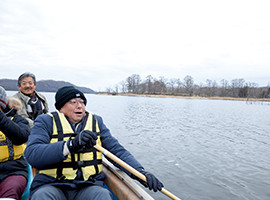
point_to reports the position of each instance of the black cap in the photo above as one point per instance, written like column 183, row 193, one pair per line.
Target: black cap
column 64, row 94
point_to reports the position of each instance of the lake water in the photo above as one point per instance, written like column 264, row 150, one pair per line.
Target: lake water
column 199, row 149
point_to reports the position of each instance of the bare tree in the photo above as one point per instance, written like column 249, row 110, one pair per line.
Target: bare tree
column 236, row 85
column 188, row 84
column 149, row 84
column 224, row 87
column 179, row 85
column 133, row 82
column 172, row 83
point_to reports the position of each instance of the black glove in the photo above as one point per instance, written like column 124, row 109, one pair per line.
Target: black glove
column 152, row 181
column 84, row 139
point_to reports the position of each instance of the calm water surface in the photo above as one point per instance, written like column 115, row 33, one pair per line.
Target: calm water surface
column 199, row 149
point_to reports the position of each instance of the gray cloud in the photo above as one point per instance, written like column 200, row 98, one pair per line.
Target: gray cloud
column 98, row 44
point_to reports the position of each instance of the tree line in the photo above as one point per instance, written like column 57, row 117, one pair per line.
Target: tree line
column 187, row 87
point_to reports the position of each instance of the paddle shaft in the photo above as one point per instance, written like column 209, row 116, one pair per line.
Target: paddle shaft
column 131, row 169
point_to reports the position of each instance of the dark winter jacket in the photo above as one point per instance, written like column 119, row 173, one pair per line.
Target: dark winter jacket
column 40, row 153
column 17, row 131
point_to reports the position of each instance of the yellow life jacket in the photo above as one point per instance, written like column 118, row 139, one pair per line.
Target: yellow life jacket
column 88, row 161
column 9, row 151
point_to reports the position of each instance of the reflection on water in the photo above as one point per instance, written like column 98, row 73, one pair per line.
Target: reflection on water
column 200, row 149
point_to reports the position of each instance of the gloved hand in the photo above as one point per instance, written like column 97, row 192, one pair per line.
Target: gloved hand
column 85, row 139
column 152, row 181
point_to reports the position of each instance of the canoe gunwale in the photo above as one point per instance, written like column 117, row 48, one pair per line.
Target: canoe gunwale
column 128, row 188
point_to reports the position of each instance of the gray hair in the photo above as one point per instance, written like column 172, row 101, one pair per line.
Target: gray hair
column 26, row 74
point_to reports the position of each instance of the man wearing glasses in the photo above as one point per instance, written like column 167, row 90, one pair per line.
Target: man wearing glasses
column 60, row 147
column 33, row 102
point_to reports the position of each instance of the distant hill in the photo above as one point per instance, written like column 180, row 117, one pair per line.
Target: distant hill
column 43, row 85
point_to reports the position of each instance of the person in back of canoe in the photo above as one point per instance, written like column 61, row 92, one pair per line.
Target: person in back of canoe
column 60, row 147
column 14, row 132
column 34, row 103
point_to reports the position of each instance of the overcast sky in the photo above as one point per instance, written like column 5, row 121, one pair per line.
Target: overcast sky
column 97, row 44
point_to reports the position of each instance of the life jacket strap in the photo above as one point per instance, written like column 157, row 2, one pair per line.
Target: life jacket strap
column 59, row 171
column 77, row 165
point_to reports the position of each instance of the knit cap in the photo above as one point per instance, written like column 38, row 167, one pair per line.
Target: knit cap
column 3, row 98
column 64, row 94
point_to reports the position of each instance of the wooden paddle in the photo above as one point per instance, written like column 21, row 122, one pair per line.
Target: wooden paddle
column 131, row 169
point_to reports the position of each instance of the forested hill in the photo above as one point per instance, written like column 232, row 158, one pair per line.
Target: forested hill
column 43, row 85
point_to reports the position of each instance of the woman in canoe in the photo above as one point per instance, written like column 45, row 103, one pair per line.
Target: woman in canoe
column 14, row 132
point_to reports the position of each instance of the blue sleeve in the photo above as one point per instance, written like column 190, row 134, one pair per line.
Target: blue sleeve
column 112, row 145
column 39, row 152
column 17, row 130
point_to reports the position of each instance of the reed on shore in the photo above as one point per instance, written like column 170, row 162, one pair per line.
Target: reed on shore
column 186, row 97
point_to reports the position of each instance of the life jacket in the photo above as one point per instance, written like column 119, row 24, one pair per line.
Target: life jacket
column 9, row 151
column 88, row 161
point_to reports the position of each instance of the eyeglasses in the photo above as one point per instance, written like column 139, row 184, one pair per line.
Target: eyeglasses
column 73, row 102
column 23, row 83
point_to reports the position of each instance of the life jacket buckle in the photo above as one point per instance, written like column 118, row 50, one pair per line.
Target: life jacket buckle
column 92, row 178
column 61, row 178
column 80, row 164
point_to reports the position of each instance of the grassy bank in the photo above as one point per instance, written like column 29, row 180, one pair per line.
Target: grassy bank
column 186, row 97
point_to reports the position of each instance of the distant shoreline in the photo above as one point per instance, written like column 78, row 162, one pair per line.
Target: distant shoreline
column 185, row 97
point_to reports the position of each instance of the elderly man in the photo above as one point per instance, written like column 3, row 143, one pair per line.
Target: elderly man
column 60, row 146
column 33, row 102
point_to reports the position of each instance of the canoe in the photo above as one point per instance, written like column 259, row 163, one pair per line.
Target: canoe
column 122, row 186
column 119, row 183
